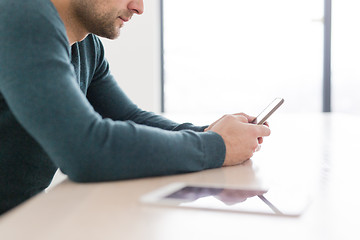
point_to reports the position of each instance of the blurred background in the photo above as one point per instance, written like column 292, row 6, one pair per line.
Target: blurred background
column 213, row 57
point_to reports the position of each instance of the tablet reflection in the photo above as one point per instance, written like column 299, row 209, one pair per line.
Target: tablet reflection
column 226, row 195
column 234, row 196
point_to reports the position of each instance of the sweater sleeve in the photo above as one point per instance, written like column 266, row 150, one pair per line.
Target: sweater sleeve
column 38, row 83
column 110, row 101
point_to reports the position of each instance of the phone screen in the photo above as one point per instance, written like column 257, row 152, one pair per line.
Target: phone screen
column 266, row 113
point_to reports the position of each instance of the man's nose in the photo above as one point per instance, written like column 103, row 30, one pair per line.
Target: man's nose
column 136, row 6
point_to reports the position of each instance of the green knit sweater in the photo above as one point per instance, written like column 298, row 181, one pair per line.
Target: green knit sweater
column 60, row 107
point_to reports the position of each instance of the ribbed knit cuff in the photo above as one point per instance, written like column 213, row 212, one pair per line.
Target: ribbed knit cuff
column 214, row 148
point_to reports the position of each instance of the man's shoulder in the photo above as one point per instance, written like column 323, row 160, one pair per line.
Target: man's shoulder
column 23, row 6
column 27, row 3
column 30, row 32
column 29, row 12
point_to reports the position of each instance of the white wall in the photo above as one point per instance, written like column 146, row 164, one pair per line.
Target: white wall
column 135, row 58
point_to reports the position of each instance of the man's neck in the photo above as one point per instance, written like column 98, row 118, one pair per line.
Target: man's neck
column 74, row 31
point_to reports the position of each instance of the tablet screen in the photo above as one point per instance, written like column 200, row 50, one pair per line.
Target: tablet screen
column 271, row 201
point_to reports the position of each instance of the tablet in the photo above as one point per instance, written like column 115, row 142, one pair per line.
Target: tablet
column 270, row 201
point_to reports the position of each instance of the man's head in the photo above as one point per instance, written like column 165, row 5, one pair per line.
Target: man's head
column 104, row 17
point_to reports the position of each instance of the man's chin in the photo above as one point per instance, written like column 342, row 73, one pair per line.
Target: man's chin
column 112, row 36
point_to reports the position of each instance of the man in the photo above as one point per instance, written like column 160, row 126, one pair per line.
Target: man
column 61, row 108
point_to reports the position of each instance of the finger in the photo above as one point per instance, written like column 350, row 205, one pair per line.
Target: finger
column 241, row 118
column 263, row 130
column 249, row 118
column 266, row 124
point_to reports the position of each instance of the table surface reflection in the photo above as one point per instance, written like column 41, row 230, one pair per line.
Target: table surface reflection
column 317, row 153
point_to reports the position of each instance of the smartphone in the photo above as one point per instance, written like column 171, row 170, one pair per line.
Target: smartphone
column 266, row 113
column 272, row 201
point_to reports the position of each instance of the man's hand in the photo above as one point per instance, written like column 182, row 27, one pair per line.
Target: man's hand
column 241, row 138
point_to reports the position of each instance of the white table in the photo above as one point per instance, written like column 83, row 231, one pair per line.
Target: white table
column 316, row 152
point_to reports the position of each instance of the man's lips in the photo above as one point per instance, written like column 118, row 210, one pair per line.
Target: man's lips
column 124, row 19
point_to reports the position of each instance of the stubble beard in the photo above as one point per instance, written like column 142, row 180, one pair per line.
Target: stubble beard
column 101, row 24
column 106, row 26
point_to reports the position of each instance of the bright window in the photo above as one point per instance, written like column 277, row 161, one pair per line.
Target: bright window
column 237, row 55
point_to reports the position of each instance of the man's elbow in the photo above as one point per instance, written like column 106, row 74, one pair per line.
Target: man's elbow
column 80, row 174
